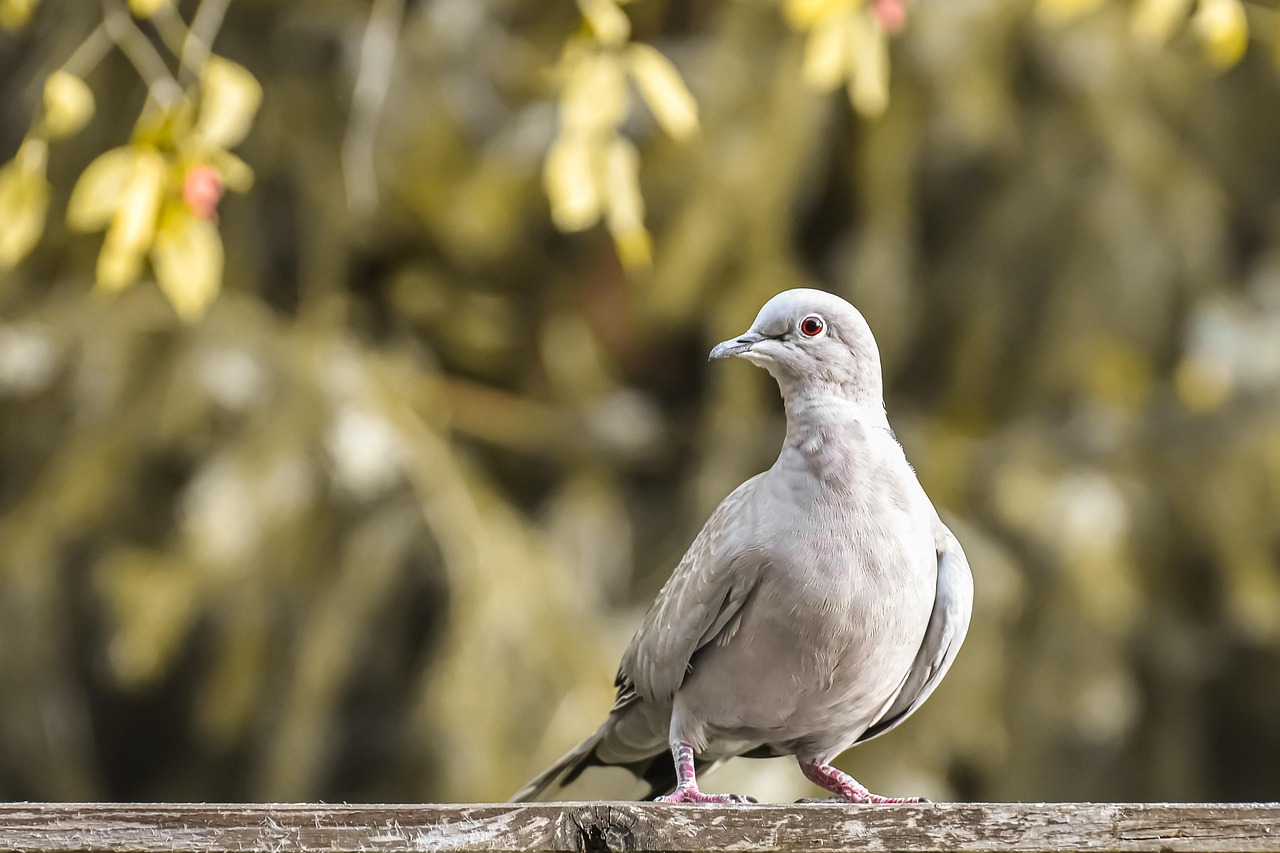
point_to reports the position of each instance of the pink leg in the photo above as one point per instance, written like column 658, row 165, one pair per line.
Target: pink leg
column 845, row 787
column 687, row 786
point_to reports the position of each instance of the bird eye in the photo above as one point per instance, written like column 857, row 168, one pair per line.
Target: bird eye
column 812, row 326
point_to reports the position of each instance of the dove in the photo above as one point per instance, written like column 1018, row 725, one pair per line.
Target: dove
column 820, row 605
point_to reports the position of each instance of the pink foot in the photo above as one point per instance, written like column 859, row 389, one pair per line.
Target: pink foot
column 846, row 788
column 866, row 798
column 687, row 784
column 693, row 795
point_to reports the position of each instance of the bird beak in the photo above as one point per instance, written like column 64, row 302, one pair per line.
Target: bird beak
column 737, row 346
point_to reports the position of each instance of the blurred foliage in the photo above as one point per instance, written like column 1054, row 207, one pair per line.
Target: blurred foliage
column 158, row 195
column 376, row 522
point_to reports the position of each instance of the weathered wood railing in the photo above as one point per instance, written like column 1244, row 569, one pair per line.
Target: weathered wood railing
column 635, row 828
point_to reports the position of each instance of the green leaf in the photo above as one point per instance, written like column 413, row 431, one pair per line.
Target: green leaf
column 572, row 183
column 97, row 192
column 24, row 202
column 14, row 13
column 608, row 23
column 134, row 222
column 146, row 8
column 229, row 98
column 187, row 257
column 625, row 204
column 664, row 91
column 1225, row 30
column 68, row 104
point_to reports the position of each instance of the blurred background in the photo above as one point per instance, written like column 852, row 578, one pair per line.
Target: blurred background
column 354, row 485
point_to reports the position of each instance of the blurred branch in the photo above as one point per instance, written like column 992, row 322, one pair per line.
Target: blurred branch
column 135, row 45
column 90, row 52
column 204, row 28
column 373, row 79
column 512, row 422
column 171, row 28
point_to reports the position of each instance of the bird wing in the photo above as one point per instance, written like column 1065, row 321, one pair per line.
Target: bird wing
column 701, row 602
column 948, row 624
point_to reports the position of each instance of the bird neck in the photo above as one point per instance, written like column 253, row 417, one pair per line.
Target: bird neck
column 826, row 385
column 819, row 413
column 829, row 438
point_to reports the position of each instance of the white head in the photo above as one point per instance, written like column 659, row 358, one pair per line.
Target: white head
column 812, row 342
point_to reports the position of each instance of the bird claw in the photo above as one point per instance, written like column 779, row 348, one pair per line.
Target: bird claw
column 693, row 795
column 870, row 799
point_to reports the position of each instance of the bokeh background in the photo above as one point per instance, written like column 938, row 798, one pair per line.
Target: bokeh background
column 372, row 515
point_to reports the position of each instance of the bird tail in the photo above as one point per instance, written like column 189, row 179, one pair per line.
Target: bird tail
column 568, row 768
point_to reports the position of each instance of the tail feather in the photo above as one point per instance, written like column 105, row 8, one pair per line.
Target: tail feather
column 658, row 771
column 570, row 766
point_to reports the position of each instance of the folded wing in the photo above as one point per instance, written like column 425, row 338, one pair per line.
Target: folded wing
column 701, row 603
column 948, row 624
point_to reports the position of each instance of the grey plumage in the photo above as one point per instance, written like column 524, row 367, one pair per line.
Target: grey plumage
column 821, row 603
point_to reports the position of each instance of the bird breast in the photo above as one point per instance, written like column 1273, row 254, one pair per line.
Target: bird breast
column 837, row 617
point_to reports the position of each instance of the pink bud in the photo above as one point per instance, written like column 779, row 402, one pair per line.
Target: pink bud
column 202, row 190
column 892, row 14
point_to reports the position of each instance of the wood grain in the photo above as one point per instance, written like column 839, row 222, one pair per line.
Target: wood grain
column 636, row 828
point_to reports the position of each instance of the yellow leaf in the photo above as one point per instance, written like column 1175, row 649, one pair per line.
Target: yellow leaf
column 187, row 258
column 229, row 98
column 610, row 24
column 152, row 604
column 828, row 51
column 97, row 192
column 134, row 222
column 663, row 90
column 68, row 104
column 625, row 204
column 14, row 13
column 594, row 99
column 869, row 84
column 570, row 177
column 236, row 174
column 1222, row 25
column 1203, row 383
column 1055, row 12
column 24, row 202
column 146, row 8
column 1154, row 21
column 136, row 217
column 804, row 14
column 118, row 267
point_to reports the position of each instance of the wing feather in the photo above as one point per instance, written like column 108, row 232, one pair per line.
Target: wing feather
column 702, row 602
column 948, row 624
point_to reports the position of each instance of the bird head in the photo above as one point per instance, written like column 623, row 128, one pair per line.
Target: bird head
column 812, row 341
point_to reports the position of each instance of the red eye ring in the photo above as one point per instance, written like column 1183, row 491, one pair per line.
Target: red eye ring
column 812, row 326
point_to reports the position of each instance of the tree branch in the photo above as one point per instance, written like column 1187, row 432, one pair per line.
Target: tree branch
column 135, row 45
column 377, row 57
column 204, row 28
column 90, row 52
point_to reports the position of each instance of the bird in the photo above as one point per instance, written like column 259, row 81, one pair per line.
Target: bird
column 820, row 605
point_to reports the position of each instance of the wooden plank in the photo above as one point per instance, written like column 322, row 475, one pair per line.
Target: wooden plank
column 636, row 828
